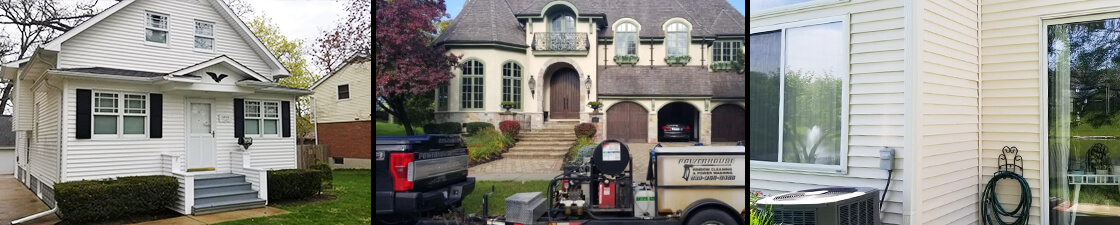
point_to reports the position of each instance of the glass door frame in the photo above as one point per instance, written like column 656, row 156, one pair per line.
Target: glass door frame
column 1044, row 97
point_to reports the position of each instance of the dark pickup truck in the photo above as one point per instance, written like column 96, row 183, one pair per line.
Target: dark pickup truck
column 420, row 174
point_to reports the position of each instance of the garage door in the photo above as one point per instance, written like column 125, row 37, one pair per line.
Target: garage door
column 729, row 124
column 7, row 161
column 627, row 122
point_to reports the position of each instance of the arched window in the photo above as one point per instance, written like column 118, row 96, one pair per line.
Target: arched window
column 676, row 39
column 472, row 85
column 511, row 83
column 563, row 23
column 626, row 39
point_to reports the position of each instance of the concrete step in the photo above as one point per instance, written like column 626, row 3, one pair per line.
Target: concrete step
column 215, row 179
column 557, row 148
column 544, row 143
column 535, row 155
column 224, row 197
column 221, row 188
column 546, row 139
column 225, row 206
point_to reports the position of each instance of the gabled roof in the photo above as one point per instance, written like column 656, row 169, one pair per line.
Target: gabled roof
column 216, row 60
column 219, row 6
column 353, row 58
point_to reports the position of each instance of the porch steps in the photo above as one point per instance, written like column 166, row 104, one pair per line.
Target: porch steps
column 224, row 192
column 550, row 142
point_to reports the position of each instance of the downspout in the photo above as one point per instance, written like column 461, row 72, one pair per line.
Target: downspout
column 315, row 116
column 36, row 216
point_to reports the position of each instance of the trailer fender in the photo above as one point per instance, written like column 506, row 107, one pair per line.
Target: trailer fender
column 708, row 203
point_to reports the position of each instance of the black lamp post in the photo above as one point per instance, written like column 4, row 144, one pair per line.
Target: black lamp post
column 588, row 85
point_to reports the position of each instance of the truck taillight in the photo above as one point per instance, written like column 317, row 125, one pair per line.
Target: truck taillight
column 688, row 127
column 664, row 127
column 468, row 156
column 400, row 165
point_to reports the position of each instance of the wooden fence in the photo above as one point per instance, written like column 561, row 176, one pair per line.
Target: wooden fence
column 308, row 154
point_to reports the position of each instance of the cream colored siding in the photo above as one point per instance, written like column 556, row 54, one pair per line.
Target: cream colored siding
column 948, row 51
column 358, row 107
column 118, row 40
column 876, row 103
column 44, row 158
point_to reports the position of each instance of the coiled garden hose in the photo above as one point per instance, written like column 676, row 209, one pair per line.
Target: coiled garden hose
column 992, row 211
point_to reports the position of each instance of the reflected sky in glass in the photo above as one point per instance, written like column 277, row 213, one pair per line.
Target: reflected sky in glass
column 813, row 49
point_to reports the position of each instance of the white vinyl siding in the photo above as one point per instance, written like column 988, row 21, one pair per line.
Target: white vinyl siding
column 876, row 103
column 948, row 50
column 43, row 158
column 118, row 40
column 204, row 35
column 360, row 106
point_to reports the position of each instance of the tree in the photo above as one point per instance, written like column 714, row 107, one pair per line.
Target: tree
column 411, row 66
column 290, row 53
column 241, row 8
column 351, row 37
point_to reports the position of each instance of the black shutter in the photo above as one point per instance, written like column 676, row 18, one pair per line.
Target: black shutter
column 155, row 121
column 285, row 118
column 239, row 117
column 85, row 109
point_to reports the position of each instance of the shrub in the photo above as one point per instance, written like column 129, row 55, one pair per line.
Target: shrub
column 486, row 145
column 585, row 130
column 450, row 128
column 581, row 143
column 293, row 184
column 325, row 172
column 510, row 128
column 473, row 128
column 97, row 200
column 432, row 129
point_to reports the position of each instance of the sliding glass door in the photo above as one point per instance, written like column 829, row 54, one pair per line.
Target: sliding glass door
column 1083, row 77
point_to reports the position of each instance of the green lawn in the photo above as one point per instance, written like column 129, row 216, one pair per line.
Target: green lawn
column 391, row 130
column 352, row 207
column 502, row 190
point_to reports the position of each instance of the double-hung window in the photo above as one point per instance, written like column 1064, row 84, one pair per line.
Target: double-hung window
column 262, row 117
column 204, row 35
column 343, row 91
column 676, row 39
column 798, row 91
column 155, row 28
column 119, row 114
column 727, row 51
column 626, row 39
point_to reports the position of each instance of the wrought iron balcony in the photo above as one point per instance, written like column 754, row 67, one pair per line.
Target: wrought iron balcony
column 561, row 42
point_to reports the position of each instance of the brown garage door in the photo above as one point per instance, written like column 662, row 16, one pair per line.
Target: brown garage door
column 627, row 122
column 729, row 123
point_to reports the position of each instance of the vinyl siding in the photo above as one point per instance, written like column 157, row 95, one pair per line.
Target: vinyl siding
column 1011, row 115
column 360, row 105
column 877, row 97
column 948, row 51
column 44, row 157
column 118, row 40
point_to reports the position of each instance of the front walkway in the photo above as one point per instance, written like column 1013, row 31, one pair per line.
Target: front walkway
column 16, row 201
column 218, row 217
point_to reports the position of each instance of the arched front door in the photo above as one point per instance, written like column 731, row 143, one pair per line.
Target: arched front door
column 564, row 100
column 627, row 122
column 728, row 123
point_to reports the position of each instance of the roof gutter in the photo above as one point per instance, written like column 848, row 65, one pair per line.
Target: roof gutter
column 72, row 74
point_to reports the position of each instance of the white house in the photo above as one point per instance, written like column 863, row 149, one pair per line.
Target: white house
column 156, row 88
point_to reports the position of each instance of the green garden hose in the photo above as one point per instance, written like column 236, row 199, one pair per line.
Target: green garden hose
column 993, row 211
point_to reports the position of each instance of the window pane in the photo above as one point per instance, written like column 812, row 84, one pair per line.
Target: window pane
column 157, row 21
column 203, row 43
column 252, row 109
column 204, row 29
column 269, row 127
column 133, row 125
column 758, row 5
column 764, row 95
column 813, row 82
column 252, row 126
column 104, row 124
column 157, row 36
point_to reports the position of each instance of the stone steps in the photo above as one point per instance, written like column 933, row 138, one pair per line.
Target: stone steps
column 563, row 134
column 546, row 139
column 557, row 148
column 534, row 155
column 538, row 144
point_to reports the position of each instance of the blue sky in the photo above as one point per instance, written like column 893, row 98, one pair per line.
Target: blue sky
column 454, row 6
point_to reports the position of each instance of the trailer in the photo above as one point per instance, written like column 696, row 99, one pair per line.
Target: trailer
column 701, row 185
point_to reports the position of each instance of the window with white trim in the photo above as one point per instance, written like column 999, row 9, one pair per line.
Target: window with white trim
column 203, row 35
column 155, row 27
column 262, row 118
column 119, row 114
column 798, row 75
column 343, row 91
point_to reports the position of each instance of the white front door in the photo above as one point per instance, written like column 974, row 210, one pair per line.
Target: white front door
column 200, row 138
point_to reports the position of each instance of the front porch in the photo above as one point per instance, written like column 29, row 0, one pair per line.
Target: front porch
column 241, row 187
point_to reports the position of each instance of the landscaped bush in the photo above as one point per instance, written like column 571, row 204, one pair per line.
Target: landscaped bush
column 98, row 200
column 473, row 128
column 488, row 144
column 760, row 216
column 510, row 128
column 573, row 152
column 294, row 184
column 450, row 128
column 432, row 129
column 326, row 173
column 585, row 130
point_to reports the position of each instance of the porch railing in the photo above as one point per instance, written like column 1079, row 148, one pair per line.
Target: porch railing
column 550, row 41
column 172, row 165
column 241, row 163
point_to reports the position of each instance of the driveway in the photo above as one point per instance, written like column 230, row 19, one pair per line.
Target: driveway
column 16, row 201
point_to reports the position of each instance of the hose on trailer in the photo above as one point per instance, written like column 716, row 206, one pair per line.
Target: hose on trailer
column 993, row 212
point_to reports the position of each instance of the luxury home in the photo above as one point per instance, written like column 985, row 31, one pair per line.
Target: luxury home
column 651, row 63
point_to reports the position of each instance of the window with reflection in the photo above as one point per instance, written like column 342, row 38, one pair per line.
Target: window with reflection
column 1083, row 88
column 472, row 81
column 676, row 39
column 626, row 39
column 796, row 94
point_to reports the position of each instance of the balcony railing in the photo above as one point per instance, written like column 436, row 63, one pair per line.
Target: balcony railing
column 560, row 42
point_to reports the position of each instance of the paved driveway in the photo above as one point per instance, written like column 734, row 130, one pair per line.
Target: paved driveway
column 16, row 201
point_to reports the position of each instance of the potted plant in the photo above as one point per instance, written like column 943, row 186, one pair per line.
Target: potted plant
column 677, row 59
column 626, row 59
column 595, row 105
column 508, row 105
column 722, row 66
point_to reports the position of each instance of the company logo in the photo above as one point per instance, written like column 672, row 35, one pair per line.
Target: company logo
column 380, row 156
column 707, row 169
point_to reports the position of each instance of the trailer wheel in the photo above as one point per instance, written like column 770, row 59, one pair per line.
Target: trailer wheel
column 712, row 217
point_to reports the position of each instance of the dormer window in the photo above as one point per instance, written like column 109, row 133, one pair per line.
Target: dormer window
column 204, row 35
column 563, row 23
column 676, row 39
column 156, row 28
column 626, row 39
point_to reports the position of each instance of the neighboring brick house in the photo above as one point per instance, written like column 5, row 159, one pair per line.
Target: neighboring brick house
column 650, row 62
column 344, row 113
